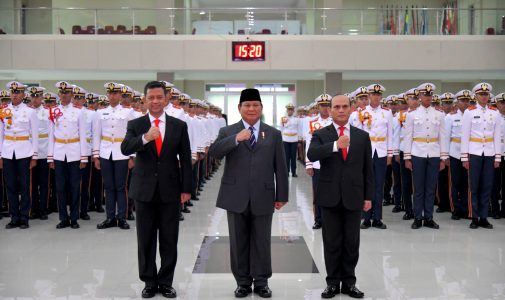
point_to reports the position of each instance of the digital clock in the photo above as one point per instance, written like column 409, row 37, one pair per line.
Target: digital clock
column 248, row 51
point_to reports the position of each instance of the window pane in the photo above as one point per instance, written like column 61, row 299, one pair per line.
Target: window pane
column 217, row 100
column 268, row 109
column 232, row 110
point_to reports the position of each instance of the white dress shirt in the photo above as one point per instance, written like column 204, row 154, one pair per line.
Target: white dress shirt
column 161, row 126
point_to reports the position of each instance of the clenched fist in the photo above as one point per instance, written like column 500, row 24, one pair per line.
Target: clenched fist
column 243, row 135
column 343, row 142
column 152, row 134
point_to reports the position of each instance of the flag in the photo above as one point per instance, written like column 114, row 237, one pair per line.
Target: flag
column 406, row 22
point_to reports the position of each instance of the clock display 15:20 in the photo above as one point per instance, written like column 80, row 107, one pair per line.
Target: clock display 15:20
column 248, row 51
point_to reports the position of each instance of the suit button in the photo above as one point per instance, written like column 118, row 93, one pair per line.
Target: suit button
column 155, row 174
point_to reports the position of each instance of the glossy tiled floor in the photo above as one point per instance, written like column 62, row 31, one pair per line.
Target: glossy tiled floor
column 398, row 263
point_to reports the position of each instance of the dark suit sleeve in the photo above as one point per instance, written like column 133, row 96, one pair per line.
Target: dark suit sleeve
column 368, row 169
column 132, row 142
column 319, row 150
column 184, row 152
column 281, row 172
column 223, row 145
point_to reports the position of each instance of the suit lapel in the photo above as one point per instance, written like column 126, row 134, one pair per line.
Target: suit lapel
column 261, row 136
column 351, row 144
column 168, row 128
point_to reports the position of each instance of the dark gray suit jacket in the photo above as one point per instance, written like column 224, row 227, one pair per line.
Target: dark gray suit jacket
column 257, row 176
column 349, row 182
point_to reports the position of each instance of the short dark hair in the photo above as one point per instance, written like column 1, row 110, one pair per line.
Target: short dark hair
column 154, row 85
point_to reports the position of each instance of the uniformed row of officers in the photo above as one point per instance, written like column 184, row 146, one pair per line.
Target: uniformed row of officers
column 447, row 149
column 61, row 152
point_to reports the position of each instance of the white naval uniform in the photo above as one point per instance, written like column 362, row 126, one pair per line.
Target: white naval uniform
column 20, row 138
column 425, row 133
column 67, row 136
column 43, row 119
column 291, row 130
column 379, row 126
column 313, row 125
column 109, row 131
column 453, row 125
column 481, row 133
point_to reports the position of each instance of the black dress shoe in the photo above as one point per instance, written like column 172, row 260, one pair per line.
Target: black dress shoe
column 418, row 223
column 198, row 193
column 485, row 224
column 263, row 291
column 43, row 216
column 496, row 216
column 440, row 210
column 107, row 224
column 63, row 224
column 242, row 291
column 431, row 224
column 195, row 198
column 100, row 209
column 365, row 225
column 408, row 216
column 74, row 225
column 167, row 291
column 474, row 224
column 34, row 215
column 294, row 175
column 185, row 210
column 23, row 225
column 352, row 291
column 330, row 291
column 121, row 223
column 149, row 291
column 130, row 217
column 317, row 225
column 84, row 216
column 181, row 217
column 11, row 225
column 455, row 216
column 378, row 224
column 396, row 209
column 189, row 204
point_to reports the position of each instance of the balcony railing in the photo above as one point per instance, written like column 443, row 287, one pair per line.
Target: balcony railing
column 324, row 21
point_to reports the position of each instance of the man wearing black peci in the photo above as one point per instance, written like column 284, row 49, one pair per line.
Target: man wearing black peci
column 161, row 181
column 346, row 187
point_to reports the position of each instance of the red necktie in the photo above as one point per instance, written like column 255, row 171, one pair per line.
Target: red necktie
column 158, row 141
column 344, row 150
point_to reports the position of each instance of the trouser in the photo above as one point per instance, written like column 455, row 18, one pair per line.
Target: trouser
column 406, row 177
column 96, row 190
column 388, row 184
column 68, row 177
column 114, row 173
column 131, row 203
column 85, row 186
column 17, row 179
column 250, row 247
column 425, row 174
column 379, row 168
column 290, row 151
column 157, row 220
column 481, row 183
column 341, row 244
column 498, row 189
column 443, row 190
column 40, row 186
column 397, row 183
column 194, row 179
column 459, row 187
column 317, row 208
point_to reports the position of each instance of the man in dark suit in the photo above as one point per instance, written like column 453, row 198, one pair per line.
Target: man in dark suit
column 160, row 183
column 346, row 187
column 255, row 180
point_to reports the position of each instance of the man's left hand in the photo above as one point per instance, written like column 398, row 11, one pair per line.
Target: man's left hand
column 389, row 160
column 185, row 197
column 131, row 163
column 442, row 165
column 367, row 205
column 279, row 205
column 33, row 163
column 496, row 164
